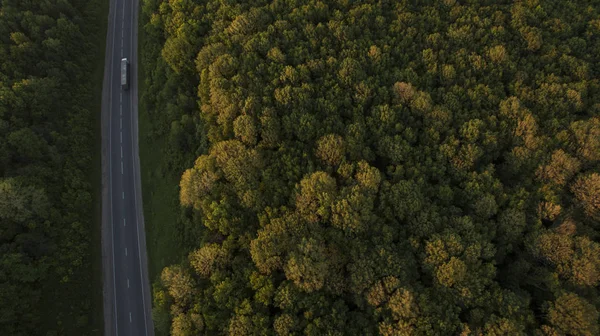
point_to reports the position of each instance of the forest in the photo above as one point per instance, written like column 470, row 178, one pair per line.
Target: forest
column 378, row 167
column 47, row 114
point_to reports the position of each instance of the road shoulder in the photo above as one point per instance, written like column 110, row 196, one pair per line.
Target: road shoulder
column 107, row 271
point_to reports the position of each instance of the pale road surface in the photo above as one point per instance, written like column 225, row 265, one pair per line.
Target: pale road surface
column 126, row 289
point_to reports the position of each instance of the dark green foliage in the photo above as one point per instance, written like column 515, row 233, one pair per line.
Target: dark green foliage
column 380, row 167
column 45, row 163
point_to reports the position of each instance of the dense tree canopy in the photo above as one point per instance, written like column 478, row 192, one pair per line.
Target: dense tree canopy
column 46, row 132
column 379, row 167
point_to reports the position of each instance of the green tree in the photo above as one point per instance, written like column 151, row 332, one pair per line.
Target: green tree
column 330, row 149
column 570, row 314
column 180, row 287
column 587, row 133
column 587, row 191
column 316, row 194
column 577, row 259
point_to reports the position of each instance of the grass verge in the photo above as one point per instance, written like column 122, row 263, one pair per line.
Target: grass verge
column 97, row 311
column 159, row 190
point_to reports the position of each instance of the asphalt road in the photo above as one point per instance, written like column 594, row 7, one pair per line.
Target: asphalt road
column 127, row 300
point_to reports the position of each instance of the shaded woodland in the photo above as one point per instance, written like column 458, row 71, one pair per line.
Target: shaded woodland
column 379, row 167
column 46, row 151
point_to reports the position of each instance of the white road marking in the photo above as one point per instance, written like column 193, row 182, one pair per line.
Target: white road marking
column 123, row 195
column 126, row 251
column 112, row 231
column 122, row 28
column 133, row 109
column 127, row 282
column 124, row 222
column 135, row 155
column 129, row 317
